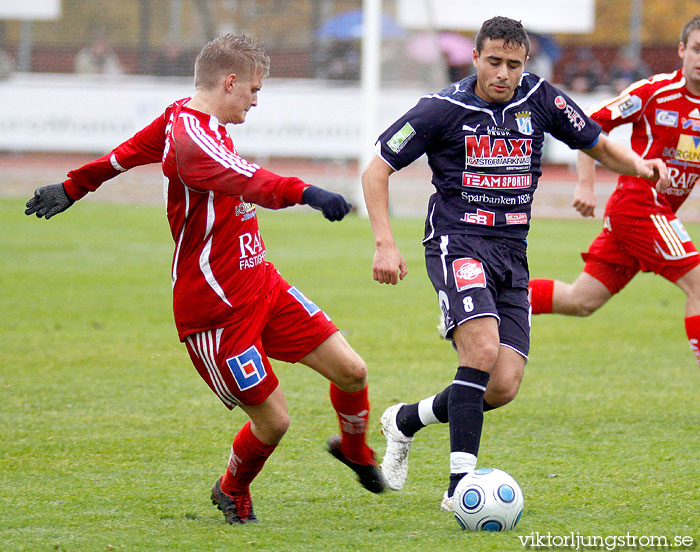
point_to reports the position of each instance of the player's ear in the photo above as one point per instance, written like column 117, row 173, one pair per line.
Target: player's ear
column 230, row 82
column 475, row 57
column 681, row 50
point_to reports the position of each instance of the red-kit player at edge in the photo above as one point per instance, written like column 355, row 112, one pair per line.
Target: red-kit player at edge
column 640, row 229
column 232, row 308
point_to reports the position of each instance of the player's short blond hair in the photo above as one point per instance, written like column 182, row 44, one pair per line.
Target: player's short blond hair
column 689, row 27
column 239, row 54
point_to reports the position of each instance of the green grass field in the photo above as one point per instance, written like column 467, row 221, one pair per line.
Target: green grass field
column 110, row 440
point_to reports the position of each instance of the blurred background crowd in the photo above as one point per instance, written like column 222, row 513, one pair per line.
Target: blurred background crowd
column 309, row 39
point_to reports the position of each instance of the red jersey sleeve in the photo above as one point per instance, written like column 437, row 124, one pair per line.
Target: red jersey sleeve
column 144, row 147
column 206, row 164
column 628, row 107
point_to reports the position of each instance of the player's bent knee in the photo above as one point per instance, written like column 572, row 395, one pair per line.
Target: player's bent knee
column 353, row 376
column 502, row 396
column 483, row 357
column 278, row 428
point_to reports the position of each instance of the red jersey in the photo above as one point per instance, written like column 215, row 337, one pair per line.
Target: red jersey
column 665, row 119
column 219, row 268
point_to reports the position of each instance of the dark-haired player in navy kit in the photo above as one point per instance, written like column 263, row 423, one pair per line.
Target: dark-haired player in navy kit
column 483, row 137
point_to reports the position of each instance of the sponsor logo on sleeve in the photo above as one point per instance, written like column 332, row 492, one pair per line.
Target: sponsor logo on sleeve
column 625, row 106
column 516, row 218
column 468, row 273
column 575, row 118
column 399, row 140
column 487, row 218
column 666, row 118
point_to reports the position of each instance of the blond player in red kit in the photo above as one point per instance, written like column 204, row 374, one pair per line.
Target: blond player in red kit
column 232, row 308
column 640, row 228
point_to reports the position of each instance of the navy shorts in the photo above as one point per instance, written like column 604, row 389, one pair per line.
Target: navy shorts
column 477, row 276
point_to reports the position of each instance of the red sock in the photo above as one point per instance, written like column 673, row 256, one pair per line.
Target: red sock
column 353, row 415
column 692, row 330
column 248, row 455
column 541, row 292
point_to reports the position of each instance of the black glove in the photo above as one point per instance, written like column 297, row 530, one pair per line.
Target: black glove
column 332, row 205
column 49, row 201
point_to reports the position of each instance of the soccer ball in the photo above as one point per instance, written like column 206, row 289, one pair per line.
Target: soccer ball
column 488, row 500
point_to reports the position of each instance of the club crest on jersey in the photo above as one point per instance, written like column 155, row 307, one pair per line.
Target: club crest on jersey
column 524, row 121
column 487, row 151
column 468, row 273
column 666, row 118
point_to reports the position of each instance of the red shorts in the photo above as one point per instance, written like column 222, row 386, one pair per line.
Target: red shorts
column 657, row 243
column 234, row 360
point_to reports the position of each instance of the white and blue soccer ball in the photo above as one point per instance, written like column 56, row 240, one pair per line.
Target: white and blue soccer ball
column 488, row 500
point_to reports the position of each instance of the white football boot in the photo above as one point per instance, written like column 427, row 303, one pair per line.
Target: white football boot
column 395, row 462
column 446, row 503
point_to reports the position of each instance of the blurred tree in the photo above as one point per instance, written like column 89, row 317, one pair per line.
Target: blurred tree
column 661, row 22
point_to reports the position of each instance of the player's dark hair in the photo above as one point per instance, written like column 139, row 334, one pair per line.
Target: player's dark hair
column 239, row 54
column 689, row 27
column 509, row 30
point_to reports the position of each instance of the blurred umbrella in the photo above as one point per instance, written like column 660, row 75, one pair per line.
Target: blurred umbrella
column 348, row 26
column 427, row 48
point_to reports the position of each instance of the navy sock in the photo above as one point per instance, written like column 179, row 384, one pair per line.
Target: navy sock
column 408, row 418
column 440, row 405
column 466, row 415
column 409, row 422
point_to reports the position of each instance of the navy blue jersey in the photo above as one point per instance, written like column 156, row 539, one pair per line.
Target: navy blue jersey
column 485, row 157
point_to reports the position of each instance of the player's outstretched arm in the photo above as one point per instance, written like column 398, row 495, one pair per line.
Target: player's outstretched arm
column 332, row 205
column 388, row 265
column 623, row 160
column 49, row 201
column 584, row 197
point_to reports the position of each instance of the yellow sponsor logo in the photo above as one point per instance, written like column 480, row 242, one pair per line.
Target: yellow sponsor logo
column 688, row 148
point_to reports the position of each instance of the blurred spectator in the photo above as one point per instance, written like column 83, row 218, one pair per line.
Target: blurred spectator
column 456, row 71
column 98, row 58
column 539, row 61
column 344, row 61
column 173, row 61
column 585, row 73
column 627, row 68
